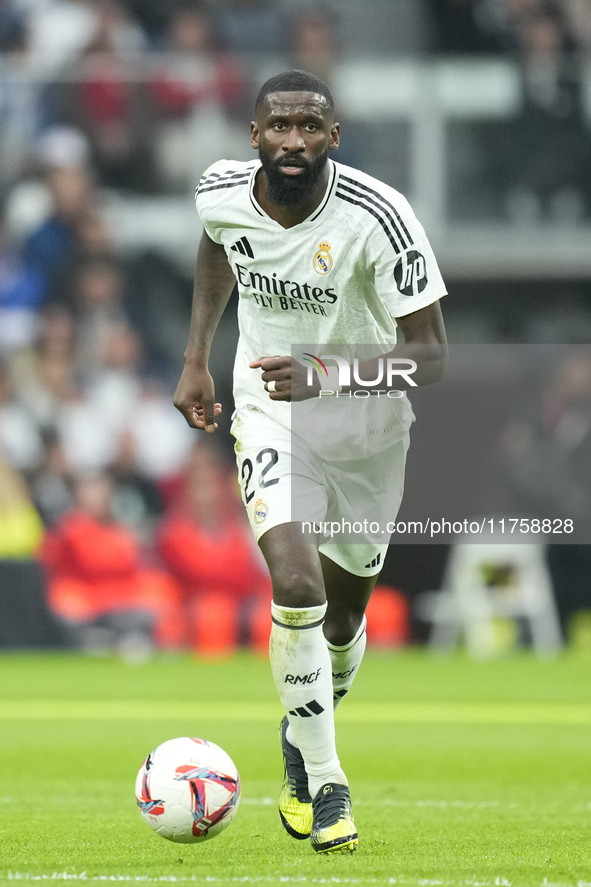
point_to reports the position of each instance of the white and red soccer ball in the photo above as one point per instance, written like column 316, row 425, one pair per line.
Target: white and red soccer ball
column 188, row 790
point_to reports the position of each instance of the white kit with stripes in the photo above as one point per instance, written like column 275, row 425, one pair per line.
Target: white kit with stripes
column 343, row 275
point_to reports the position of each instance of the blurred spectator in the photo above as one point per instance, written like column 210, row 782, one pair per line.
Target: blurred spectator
column 161, row 437
column 108, row 102
column 58, row 33
column 54, row 242
column 194, row 71
column 51, row 484
column 155, row 281
column 88, row 440
column 13, row 30
column 118, row 408
column 98, row 581
column 116, row 29
column 252, row 26
column 22, row 292
column 468, row 26
column 74, row 350
column 570, row 568
column 547, row 151
column 98, row 303
column 313, row 36
column 493, row 26
column 62, row 30
column 91, row 248
column 204, row 537
column 47, row 378
column 92, row 243
column 61, row 147
column 19, row 98
column 85, row 382
column 115, row 387
column 20, row 526
column 313, row 43
column 20, row 438
column 145, row 430
column 205, row 541
column 194, row 86
column 138, row 502
column 547, row 450
column 143, row 283
column 546, row 472
column 578, row 16
column 94, row 238
column 152, row 15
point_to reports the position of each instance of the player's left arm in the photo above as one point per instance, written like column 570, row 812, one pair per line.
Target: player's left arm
column 421, row 360
column 425, row 344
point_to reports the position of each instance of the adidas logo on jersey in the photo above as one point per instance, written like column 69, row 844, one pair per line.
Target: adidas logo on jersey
column 375, row 562
column 244, row 247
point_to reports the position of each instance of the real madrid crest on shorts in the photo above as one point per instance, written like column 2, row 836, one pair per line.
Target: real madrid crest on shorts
column 260, row 511
column 322, row 259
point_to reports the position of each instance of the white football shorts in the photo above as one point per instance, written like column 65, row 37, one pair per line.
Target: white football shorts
column 344, row 506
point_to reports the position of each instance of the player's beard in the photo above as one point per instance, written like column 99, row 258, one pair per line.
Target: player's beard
column 285, row 190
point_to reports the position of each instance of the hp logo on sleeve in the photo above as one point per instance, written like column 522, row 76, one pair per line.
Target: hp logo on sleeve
column 410, row 273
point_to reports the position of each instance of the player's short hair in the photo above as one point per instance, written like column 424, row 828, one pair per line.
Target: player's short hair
column 294, row 81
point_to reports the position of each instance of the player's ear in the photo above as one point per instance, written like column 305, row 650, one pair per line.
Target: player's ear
column 254, row 136
column 335, row 136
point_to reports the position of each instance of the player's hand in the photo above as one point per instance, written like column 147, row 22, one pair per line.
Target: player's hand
column 194, row 398
column 284, row 378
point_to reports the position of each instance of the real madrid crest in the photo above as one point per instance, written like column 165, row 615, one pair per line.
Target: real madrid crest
column 322, row 260
column 260, row 511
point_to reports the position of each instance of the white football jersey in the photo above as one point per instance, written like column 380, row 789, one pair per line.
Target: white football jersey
column 343, row 275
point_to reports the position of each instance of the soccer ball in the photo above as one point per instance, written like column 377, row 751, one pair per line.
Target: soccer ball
column 188, row 790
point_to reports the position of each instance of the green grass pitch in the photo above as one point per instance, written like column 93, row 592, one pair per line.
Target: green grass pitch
column 462, row 773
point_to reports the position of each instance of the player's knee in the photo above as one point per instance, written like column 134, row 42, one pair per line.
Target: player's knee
column 297, row 588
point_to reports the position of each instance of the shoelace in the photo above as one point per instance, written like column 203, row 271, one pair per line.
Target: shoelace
column 330, row 807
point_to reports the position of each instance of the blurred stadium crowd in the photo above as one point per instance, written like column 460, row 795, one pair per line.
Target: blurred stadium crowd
column 102, row 100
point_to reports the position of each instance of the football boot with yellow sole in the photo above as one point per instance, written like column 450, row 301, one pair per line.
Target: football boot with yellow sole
column 333, row 829
column 295, row 803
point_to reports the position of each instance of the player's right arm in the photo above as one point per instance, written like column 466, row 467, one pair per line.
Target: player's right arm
column 214, row 281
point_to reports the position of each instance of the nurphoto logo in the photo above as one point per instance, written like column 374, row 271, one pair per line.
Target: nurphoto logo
column 339, row 376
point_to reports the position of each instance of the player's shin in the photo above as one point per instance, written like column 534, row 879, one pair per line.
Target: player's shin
column 345, row 662
column 302, row 671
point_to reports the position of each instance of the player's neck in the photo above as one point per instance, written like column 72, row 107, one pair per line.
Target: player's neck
column 288, row 216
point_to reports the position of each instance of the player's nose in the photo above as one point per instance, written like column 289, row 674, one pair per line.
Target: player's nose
column 294, row 141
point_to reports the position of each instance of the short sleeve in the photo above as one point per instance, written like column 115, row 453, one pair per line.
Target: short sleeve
column 205, row 200
column 406, row 274
column 213, row 230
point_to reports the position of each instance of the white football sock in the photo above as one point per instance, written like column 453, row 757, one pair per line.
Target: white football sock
column 345, row 663
column 301, row 667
